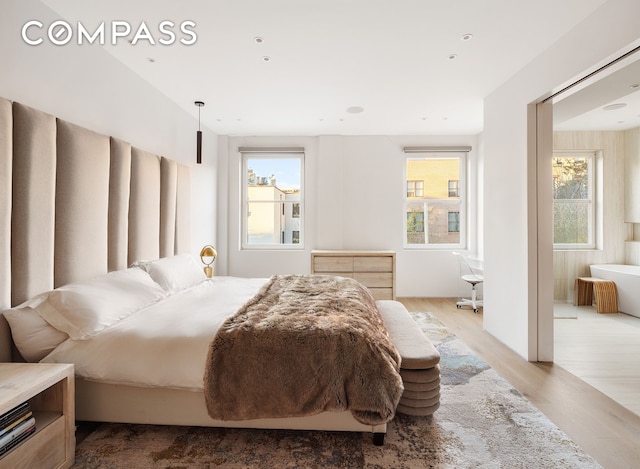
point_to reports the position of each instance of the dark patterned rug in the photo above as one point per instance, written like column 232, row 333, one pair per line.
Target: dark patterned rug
column 482, row 422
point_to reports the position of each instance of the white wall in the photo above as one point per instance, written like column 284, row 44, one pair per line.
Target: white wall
column 88, row 87
column 510, row 233
column 353, row 200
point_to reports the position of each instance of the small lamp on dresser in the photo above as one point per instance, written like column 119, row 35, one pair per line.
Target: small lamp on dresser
column 207, row 256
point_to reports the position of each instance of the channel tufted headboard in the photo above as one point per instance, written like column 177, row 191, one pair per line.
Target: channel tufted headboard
column 75, row 204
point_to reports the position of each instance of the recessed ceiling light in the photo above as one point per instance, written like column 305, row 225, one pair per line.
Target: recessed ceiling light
column 453, row 56
column 266, row 58
column 467, row 37
column 258, row 40
column 620, row 122
column 635, row 85
column 611, row 107
column 355, row 109
column 151, row 60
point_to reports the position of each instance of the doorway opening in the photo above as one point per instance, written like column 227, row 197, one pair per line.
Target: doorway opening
column 599, row 113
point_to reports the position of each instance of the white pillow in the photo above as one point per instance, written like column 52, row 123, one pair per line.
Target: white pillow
column 83, row 309
column 34, row 337
column 175, row 273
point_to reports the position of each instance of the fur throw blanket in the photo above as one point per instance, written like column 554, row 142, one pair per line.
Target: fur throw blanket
column 304, row 344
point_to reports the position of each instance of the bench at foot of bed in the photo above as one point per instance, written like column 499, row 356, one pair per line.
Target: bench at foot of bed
column 419, row 369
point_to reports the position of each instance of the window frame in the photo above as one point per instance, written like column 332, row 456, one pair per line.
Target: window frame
column 454, row 153
column 594, row 178
column 245, row 156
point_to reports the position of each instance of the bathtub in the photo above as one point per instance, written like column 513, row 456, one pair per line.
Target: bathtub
column 627, row 279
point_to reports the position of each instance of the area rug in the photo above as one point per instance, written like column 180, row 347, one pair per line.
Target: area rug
column 482, row 422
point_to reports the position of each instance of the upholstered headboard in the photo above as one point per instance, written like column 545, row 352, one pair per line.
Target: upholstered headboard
column 75, row 204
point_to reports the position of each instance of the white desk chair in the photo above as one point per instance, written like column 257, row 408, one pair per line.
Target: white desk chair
column 471, row 272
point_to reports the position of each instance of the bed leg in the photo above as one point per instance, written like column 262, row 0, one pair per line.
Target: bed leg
column 378, row 439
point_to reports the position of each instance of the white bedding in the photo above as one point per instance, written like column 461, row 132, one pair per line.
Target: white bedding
column 163, row 345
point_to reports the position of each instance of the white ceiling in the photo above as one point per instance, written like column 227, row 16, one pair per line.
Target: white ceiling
column 585, row 108
column 390, row 57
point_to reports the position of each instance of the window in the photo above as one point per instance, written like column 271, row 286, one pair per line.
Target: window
column 435, row 210
column 415, row 188
column 272, row 199
column 574, row 210
column 453, row 188
column 454, row 222
column 415, row 227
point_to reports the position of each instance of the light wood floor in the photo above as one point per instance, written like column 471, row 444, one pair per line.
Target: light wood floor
column 606, row 430
column 601, row 349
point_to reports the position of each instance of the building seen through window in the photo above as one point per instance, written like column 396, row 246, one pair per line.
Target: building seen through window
column 434, row 205
column 415, row 188
column 272, row 200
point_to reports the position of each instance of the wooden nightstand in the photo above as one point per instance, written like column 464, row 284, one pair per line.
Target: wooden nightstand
column 49, row 388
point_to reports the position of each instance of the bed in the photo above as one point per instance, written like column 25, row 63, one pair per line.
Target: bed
column 173, row 320
column 76, row 206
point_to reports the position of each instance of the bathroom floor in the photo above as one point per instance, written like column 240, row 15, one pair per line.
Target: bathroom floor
column 601, row 349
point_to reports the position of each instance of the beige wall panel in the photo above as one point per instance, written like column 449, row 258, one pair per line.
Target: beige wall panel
column 144, row 206
column 632, row 253
column 119, row 190
column 183, row 211
column 168, row 200
column 567, row 265
column 33, row 216
column 632, row 176
column 6, row 157
column 82, row 204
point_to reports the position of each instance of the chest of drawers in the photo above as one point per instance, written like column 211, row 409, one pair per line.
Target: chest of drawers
column 374, row 269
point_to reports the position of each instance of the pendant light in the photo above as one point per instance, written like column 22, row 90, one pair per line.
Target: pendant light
column 199, row 135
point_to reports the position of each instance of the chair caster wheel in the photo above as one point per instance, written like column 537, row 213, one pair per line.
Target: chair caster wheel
column 475, row 310
column 458, row 306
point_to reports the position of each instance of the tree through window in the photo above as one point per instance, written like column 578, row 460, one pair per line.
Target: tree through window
column 573, row 194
